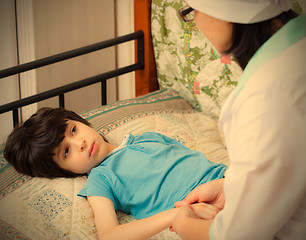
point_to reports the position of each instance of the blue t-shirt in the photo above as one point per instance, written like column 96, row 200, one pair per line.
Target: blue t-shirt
column 149, row 174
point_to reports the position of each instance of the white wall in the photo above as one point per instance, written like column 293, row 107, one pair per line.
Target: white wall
column 48, row 27
column 26, row 53
column 126, row 56
column 9, row 85
column 65, row 25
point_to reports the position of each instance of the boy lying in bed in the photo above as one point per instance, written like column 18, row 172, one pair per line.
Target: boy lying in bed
column 144, row 176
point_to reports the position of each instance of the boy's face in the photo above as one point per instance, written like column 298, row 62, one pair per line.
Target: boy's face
column 82, row 148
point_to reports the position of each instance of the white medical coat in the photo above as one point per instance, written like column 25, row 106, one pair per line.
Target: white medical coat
column 264, row 124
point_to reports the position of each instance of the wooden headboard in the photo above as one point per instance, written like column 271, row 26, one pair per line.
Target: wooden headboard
column 146, row 79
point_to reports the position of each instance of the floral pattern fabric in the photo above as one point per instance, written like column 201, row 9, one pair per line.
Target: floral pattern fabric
column 188, row 63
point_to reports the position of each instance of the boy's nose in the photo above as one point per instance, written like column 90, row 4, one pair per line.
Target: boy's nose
column 82, row 145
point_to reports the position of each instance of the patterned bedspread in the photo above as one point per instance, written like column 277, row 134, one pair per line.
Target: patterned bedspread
column 35, row 208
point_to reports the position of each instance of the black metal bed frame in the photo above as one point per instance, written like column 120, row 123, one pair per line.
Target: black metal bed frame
column 60, row 91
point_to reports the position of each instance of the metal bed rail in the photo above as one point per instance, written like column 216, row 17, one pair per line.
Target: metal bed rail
column 60, row 91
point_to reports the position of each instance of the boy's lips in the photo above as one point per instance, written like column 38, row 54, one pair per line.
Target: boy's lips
column 93, row 149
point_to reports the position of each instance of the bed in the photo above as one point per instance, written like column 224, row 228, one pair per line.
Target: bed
column 181, row 84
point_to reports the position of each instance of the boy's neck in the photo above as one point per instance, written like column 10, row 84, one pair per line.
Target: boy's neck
column 111, row 147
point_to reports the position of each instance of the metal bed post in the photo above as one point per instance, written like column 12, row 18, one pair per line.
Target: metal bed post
column 60, row 91
column 61, row 100
column 103, row 93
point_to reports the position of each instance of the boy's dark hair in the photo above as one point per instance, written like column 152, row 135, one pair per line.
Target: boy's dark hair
column 29, row 148
column 248, row 38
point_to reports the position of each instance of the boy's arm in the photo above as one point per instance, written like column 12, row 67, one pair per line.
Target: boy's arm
column 108, row 227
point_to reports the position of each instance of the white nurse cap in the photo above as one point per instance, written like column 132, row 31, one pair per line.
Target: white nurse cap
column 241, row 11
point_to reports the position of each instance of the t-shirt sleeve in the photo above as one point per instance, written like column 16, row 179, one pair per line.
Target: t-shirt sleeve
column 98, row 185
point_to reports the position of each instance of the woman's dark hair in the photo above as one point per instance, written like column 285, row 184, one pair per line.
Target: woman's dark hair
column 248, row 38
column 29, row 148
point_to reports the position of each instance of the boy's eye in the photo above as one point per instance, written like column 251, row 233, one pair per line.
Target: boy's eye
column 73, row 130
column 66, row 152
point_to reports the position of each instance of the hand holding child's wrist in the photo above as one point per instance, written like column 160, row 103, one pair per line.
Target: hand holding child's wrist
column 182, row 214
column 205, row 211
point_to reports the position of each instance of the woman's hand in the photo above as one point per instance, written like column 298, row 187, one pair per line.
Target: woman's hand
column 193, row 221
column 186, row 211
column 203, row 211
column 211, row 192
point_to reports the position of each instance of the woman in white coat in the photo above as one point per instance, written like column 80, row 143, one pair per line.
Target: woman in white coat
column 263, row 194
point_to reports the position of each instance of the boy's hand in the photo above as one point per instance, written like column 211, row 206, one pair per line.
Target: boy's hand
column 211, row 192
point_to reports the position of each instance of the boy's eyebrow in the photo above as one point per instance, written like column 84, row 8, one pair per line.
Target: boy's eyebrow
column 59, row 146
column 58, row 152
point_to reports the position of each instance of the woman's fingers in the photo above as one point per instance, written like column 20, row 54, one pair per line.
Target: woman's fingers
column 205, row 211
column 202, row 210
